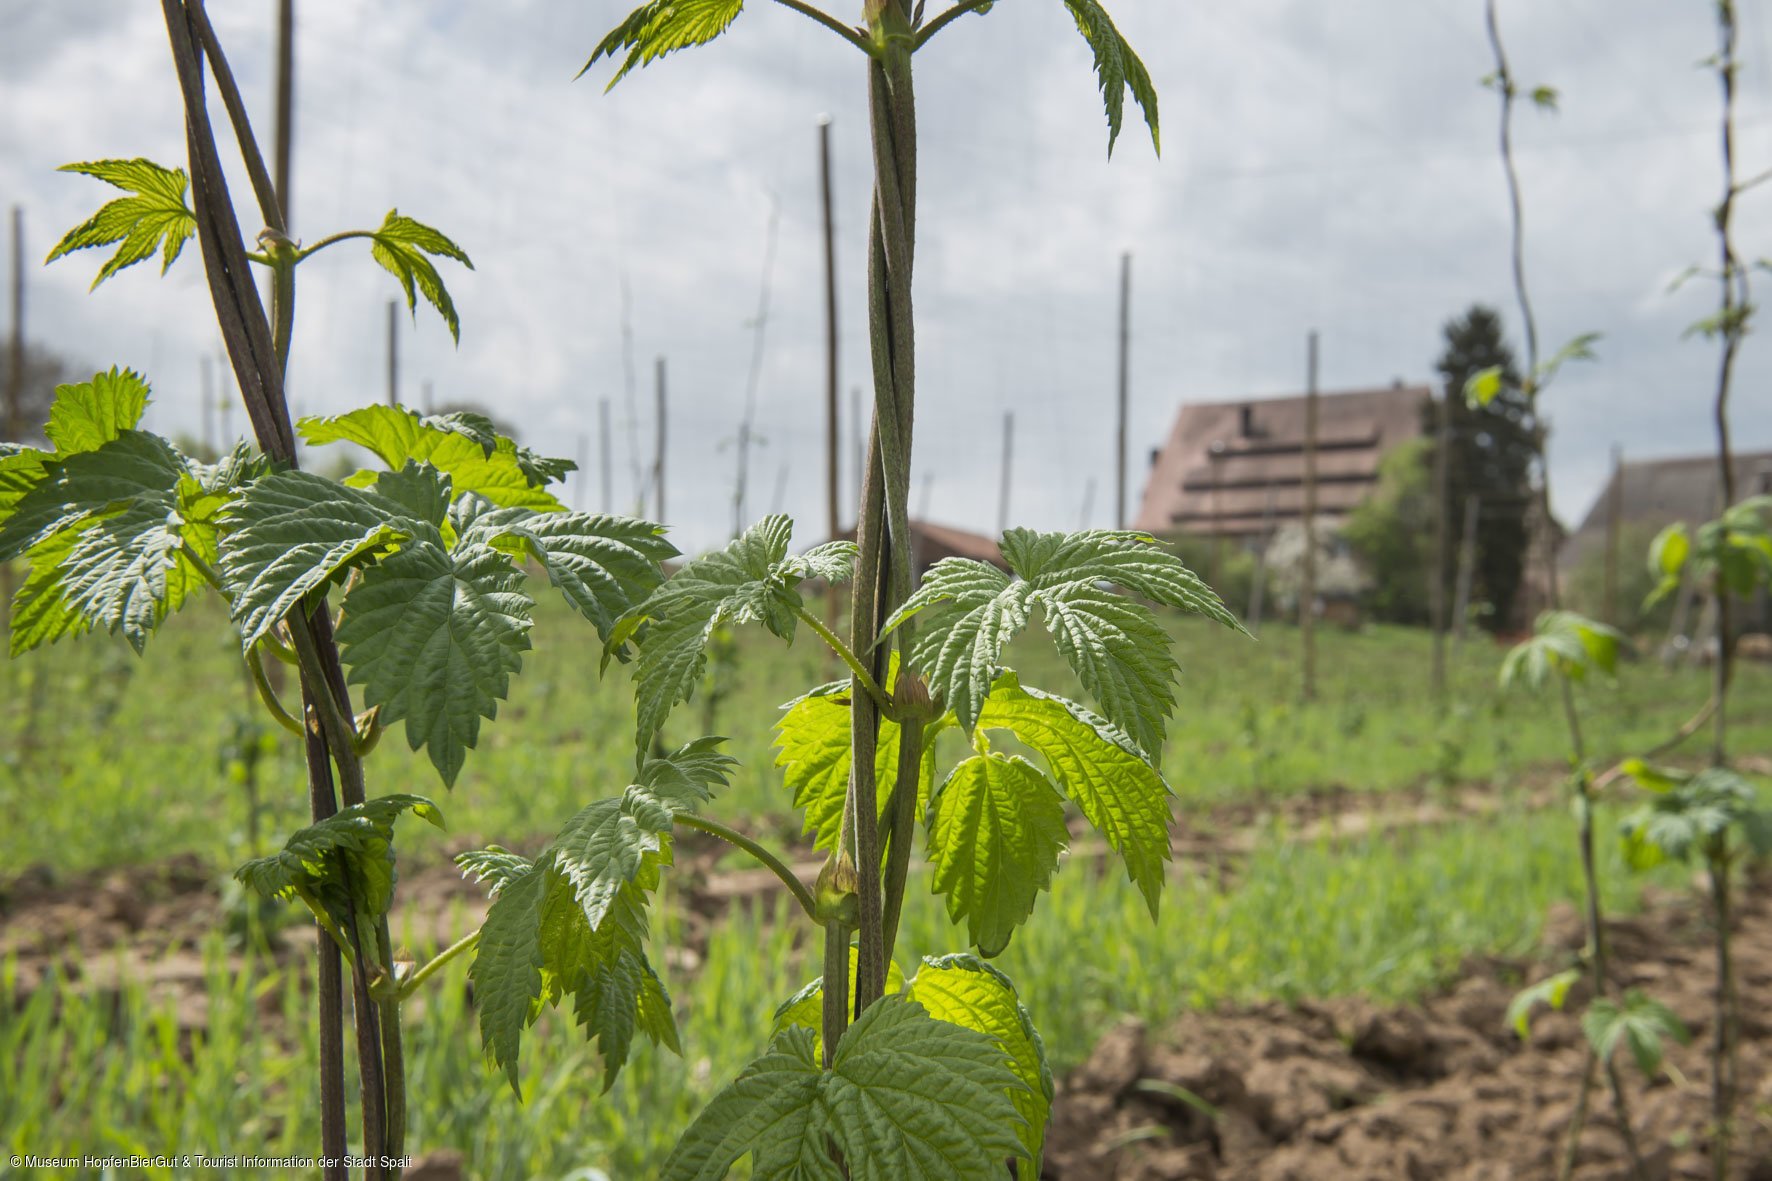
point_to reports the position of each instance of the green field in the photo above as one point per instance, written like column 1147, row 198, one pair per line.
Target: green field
column 113, row 761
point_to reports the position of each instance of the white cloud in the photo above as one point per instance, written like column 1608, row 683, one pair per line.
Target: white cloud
column 1326, row 166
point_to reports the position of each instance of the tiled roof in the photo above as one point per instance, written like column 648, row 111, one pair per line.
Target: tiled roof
column 1238, row 467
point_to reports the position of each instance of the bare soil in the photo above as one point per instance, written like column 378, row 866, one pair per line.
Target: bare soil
column 1443, row 1089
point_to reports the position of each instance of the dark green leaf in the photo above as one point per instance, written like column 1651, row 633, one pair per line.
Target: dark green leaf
column 1117, row 68
column 434, row 636
column 1640, row 1022
column 752, row 580
column 291, row 533
column 1114, row 642
column 906, row 1096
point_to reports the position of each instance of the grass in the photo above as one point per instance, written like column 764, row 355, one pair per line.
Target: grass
column 114, row 760
column 1388, row 918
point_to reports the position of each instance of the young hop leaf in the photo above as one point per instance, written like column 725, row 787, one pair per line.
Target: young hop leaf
column 573, row 921
column 152, row 218
column 1640, row 1022
column 1117, row 68
column 1115, row 643
column 1483, row 386
column 660, row 27
column 996, row 829
column 804, row 1008
column 1552, row 991
column 292, row 533
column 752, row 580
column 1688, row 812
column 434, row 635
column 404, row 248
column 812, row 741
column 1097, row 766
column 481, row 462
column 342, row 868
column 964, row 990
column 1565, row 643
column 906, row 1096
column 113, row 521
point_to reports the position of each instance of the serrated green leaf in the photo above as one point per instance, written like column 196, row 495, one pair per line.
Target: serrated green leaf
column 805, row 1008
column 573, row 921
column 21, row 469
column 153, row 218
column 1564, row 643
column 420, row 490
column 291, row 533
column 660, row 27
column 493, row 866
column 963, row 990
column 343, row 866
column 996, row 829
column 1552, row 991
column 433, row 637
column 104, row 534
column 86, row 416
column 1117, row 68
column 1641, row 1022
column 752, row 580
column 906, row 1096
column 88, row 484
column 604, row 565
column 1113, row 642
column 398, row 437
column 1097, row 766
column 771, row 1110
column 812, row 743
column 1687, row 815
column 403, row 247
column 40, row 613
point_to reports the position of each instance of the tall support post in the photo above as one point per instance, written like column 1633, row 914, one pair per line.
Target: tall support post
column 15, row 384
column 1614, row 517
column 1436, row 587
column 1467, row 569
column 393, row 353
column 426, row 397
column 1124, row 390
column 658, row 450
column 606, row 464
column 207, row 387
column 1008, row 465
column 284, row 147
column 15, row 375
column 1307, row 598
column 833, row 525
column 581, row 498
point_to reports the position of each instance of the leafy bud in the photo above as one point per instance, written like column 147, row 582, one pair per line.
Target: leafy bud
column 836, row 888
column 911, row 694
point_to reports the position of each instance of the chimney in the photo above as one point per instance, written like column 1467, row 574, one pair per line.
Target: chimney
column 1246, row 421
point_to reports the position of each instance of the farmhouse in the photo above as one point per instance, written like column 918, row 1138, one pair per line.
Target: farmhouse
column 1236, row 469
column 1658, row 492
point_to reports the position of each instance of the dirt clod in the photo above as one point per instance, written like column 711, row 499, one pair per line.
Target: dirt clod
column 1442, row 1089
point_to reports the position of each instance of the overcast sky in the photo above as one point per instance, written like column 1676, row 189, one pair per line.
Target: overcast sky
column 1327, row 166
